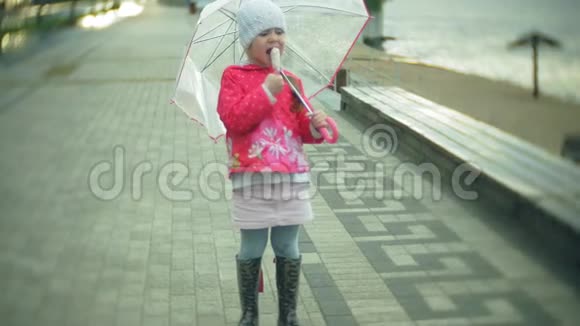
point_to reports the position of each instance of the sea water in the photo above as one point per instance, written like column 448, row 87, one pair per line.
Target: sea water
column 472, row 36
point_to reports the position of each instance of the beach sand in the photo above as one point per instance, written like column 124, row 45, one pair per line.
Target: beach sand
column 544, row 121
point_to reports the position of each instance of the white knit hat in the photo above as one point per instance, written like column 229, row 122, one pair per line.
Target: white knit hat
column 256, row 16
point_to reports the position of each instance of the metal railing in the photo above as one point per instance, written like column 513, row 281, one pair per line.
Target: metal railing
column 18, row 16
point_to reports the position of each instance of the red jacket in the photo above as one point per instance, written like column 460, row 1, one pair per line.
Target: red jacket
column 261, row 136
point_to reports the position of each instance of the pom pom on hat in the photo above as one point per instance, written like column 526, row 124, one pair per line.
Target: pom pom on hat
column 256, row 16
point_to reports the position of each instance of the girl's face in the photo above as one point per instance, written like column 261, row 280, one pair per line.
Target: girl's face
column 259, row 51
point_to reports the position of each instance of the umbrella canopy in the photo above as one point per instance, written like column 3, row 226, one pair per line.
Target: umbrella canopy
column 320, row 34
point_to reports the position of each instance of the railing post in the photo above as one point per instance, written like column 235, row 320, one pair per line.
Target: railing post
column 342, row 79
column 72, row 16
column 2, row 13
column 39, row 12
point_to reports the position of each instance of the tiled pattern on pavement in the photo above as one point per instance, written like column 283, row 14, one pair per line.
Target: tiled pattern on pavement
column 150, row 242
column 434, row 275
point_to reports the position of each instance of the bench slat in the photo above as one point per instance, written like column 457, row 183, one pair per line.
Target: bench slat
column 448, row 144
column 516, row 143
column 537, row 172
column 564, row 179
column 498, row 151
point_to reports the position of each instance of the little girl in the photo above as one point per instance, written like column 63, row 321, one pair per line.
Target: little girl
column 266, row 127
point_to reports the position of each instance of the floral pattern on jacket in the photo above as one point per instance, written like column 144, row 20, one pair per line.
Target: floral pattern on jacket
column 273, row 144
column 262, row 136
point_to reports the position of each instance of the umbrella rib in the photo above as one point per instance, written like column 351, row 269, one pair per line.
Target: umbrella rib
column 230, row 14
column 185, row 59
column 212, row 38
column 241, row 56
column 217, row 46
column 213, row 29
column 292, row 7
column 226, row 13
column 307, row 62
column 218, row 56
column 233, row 18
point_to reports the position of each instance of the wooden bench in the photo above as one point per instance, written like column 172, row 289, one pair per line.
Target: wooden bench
column 538, row 187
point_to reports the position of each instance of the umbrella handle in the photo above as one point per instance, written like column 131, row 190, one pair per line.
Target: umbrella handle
column 324, row 131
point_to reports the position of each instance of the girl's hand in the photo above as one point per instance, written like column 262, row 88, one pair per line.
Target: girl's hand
column 319, row 119
column 275, row 83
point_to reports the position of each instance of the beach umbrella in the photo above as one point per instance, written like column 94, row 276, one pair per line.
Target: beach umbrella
column 535, row 40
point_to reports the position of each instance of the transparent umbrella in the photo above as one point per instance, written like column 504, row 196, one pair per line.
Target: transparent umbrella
column 320, row 34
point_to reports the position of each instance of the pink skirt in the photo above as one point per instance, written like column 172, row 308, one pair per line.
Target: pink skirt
column 267, row 205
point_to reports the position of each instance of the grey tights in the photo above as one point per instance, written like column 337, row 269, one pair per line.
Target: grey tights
column 284, row 241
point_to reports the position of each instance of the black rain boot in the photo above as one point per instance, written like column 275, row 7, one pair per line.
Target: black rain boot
column 287, row 280
column 248, row 277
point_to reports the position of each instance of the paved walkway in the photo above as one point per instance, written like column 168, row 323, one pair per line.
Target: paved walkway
column 100, row 226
